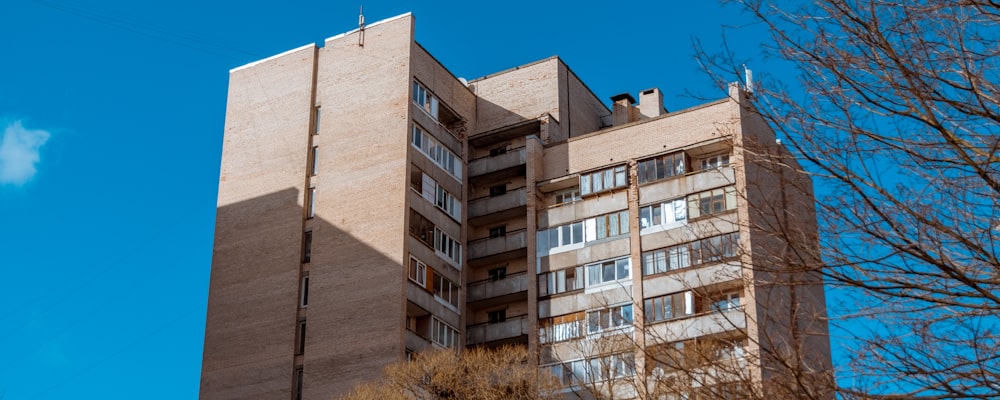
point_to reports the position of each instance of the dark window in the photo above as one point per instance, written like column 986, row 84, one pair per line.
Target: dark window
column 301, row 348
column 498, row 190
column 307, row 243
column 305, row 291
column 298, row 383
column 498, row 273
column 498, row 151
column 498, row 231
column 497, row 316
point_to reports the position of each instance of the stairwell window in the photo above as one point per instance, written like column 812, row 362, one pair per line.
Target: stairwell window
column 316, row 115
column 311, row 203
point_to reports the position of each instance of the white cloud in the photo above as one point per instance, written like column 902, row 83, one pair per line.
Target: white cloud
column 19, row 153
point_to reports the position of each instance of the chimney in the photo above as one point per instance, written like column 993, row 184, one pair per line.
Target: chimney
column 622, row 111
column 651, row 103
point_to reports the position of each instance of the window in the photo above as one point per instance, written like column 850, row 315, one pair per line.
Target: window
column 606, row 179
column 447, row 203
column 591, row 229
column 422, row 228
column 562, row 328
column 443, row 334
column 498, row 190
column 715, row 248
column 307, row 243
column 444, row 289
column 496, row 151
column 671, row 306
column 711, row 202
column 437, row 152
column 609, row 318
column 609, row 367
column 571, row 373
column 668, row 259
column 301, row 337
column 447, row 246
column 311, row 203
column 726, row 302
column 608, row 225
column 496, row 317
column 305, row 292
column 567, row 196
column 665, row 213
column 418, row 271
column 316, row 115
column 559, row 236
column 661, row 167
column 608, row 271
column 561, row 281
column 715, row 161
column 498, row 231
column 425, row 100
column 312, row 157
column 298, row 383
column 498, row 273
column 436, row 194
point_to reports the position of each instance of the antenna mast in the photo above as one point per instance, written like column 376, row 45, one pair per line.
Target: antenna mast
column 361, row 27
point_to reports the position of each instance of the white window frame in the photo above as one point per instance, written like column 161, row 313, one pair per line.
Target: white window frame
column 420, row 270
column 714, row 161
column 443, row 334
column 426, row 100
column 596, row 269
column 448, row 248
column 436, row 152
column 672, row 213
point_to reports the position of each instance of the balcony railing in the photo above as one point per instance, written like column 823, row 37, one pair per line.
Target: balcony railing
column 491, row 246
column 495, row 288
column 489, row 205
column 483, row 166
column 489, row 332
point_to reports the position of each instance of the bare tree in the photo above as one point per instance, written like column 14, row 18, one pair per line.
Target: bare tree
column 478, row 373
column 896, row 114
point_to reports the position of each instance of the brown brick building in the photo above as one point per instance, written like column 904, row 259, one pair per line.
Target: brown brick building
column 371, row 205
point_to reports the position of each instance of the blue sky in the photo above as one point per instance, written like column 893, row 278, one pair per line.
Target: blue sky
column 111, row 115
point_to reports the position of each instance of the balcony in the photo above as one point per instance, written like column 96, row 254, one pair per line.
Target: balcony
column 507, row 205
column 489, row 165
column 500, row 248
column 515, row 328
column 693, row 182
column 698, row 325
column 512, row 288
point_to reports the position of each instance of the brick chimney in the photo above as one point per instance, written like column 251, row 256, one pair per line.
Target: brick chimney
column 622, row 109
column 651, row 103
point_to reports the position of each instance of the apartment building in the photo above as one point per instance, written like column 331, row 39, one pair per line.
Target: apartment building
column 373, row 205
